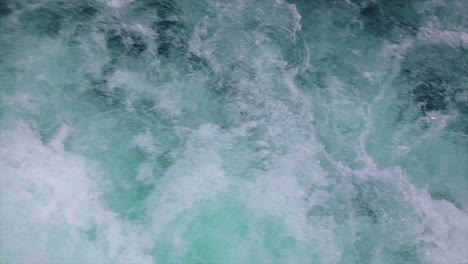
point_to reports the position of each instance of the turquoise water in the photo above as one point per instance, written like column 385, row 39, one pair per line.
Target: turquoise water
column 233, row 131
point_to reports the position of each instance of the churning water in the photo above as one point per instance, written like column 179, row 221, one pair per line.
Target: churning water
column 234, row 131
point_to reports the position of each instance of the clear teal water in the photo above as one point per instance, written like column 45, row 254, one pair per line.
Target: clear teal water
column 240, row 131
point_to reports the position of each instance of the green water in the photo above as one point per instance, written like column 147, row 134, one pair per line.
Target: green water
column 240, row 131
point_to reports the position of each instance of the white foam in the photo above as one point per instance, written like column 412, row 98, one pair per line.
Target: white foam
column 297, row 17
column 118, row 3
column 145, row 141
column 130, row 80
column 145, row 172
column 57, row 141
column 197, row 175
column 444, row 226
column 434, row 32
column 279, row 194
column 25, row 102
column 439, row 120
column 49, row 200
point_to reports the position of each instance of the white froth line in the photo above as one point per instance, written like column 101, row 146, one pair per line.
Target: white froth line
column 432, row 32
column 57, row 142
column 118, row 3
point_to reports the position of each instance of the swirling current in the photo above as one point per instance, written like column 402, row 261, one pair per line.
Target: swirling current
column 234, row 131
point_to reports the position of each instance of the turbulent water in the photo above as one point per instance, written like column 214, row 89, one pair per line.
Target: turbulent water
column 234, row 131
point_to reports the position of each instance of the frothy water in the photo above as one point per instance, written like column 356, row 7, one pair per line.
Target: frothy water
column 240, row 131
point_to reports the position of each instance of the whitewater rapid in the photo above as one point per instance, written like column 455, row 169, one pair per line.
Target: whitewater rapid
column 240, row 131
